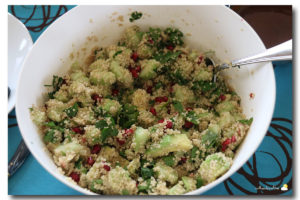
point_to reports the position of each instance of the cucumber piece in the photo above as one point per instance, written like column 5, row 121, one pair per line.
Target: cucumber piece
column 38, row 116
column 176, row 190
column 97, row 76
column 214, row 166
column 148, row 69
column 122, row 74
column 141, row 136
column 226, row 106
column 71, row 147
column 183, row 94
column 111, row 106
column 166, row 173
column 189, row 183
column 170, row 143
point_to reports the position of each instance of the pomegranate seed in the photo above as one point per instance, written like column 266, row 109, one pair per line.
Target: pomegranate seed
column 161, row 99
column 75, row 176
column 183, row 160
column 90, row 161
column 225, row 144
column 251, row 95
column 129, row 131
column 188, row 124
column 233, row 139
column 169, row 124
column 170, row 47
column 150, row 41
column 134, row 56
column 161, row 121
column 78, row 130
column 96, row 98
column 188, row 108
column 134, row 73
column 222, row 97
column 96, row 149
column 115, row 92
column 153, row 111
column 149, row 89
column 121, row 142
column 106, row 167
column 137, row 184
column 200, row 59
column 138, row 68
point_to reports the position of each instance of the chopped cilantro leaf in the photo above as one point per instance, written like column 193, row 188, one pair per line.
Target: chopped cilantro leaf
column 135, row 16
column 72, row 111
column 247, row 121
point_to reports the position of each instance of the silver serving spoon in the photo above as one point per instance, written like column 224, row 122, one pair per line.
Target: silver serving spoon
column 282, row 51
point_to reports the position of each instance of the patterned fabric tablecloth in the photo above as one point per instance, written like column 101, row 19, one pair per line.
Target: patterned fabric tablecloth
column 266, row 172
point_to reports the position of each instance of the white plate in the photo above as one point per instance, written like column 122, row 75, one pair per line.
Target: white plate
column 19, row 44
column 210, row 27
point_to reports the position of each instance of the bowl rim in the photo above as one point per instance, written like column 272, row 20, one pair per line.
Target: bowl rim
column 62, row 178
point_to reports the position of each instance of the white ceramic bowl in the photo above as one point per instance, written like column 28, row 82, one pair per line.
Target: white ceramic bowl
column 209, row 27
column 19, row 44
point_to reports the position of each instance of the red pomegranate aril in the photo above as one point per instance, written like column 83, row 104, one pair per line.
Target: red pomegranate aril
column 233, row 139
column 165, row 99
column 115, row 92
column 129, row 131
column 134, row 73
column 96, row 149
column 200, row 59
column 106, row 167
column 225, row 144
column 121, row 142
column 149, row 89
column 183, row 159
column 78, row 130
column 170, row 47
column 188, row 124
column 138, row 68
column 90, row 161
column 188, row 108
column 75, row 176
column 161, row 99
column 134, row 56
column 150, row 41
column 96, row 98
column 161, row 121
column 222, row 97
column 169, row 124
column 153, row 111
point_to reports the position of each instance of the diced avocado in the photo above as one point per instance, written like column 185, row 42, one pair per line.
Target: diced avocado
column 98, row 76
column 214, row 166
column 176, row 190
column 148, row 69
column 71, row 147
column 122, row 74
column 170, row 143
column 226, row 106
column 166, row 173
column 141, row 136
column 189, row 183
column 111, row 106
column 183, row 94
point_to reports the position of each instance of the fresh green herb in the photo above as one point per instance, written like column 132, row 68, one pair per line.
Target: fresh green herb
column 106, row 130
column 78, row 163
column 158, row 85
column 69, row 138
column 122, row 153
column 178, row 78
column 155, row 36
column 117, row 53
column 52, row 125
column 175, row 36
column 167, row 58
column 128, row 115
column 84, row 170
column 99, row 181
column 191, row 116
column 72, row 111
column 169, row 160
column 204, row 86
column 194, row 152
column 49, row 136
column 144, row 188
column 199, row 182
column 247, row 121
column 56, row 84
column 146, row 172
column 135, row 16
column 178, row 106
column 210, row 139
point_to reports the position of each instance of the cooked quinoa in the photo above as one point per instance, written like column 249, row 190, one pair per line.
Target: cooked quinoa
column 143, row 118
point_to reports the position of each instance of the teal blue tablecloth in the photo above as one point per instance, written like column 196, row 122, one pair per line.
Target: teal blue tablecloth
column 270, row 167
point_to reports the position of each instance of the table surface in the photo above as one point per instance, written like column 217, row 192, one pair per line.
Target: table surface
column 264, row 173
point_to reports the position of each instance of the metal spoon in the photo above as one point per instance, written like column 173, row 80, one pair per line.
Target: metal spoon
column 282, row 51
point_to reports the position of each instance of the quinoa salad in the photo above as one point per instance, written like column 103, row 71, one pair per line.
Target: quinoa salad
column 144, row 118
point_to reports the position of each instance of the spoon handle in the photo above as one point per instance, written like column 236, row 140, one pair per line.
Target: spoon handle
column 282, row 51
column 18, row 158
